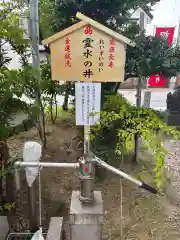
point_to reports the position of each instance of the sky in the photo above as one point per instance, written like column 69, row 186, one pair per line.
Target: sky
column 166, row 13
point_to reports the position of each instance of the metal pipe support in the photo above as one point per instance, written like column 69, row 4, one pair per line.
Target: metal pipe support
column 47, row 164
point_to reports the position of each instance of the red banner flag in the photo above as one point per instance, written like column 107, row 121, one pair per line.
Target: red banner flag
column 166, row 33
column 156, row 81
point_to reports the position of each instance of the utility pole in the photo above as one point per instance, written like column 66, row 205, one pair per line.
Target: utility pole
column 34, row 37
column 178, row 44
column 178, row 37
column 139, row 85
column 138, row 96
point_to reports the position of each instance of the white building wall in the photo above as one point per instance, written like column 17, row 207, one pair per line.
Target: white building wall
column 147, row 19
column 15, row 62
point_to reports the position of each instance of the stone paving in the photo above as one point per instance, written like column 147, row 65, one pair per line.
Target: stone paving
column 158, row 97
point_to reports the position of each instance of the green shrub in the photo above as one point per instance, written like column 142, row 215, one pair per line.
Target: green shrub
column 119, row 124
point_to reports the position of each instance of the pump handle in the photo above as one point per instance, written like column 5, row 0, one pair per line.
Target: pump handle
column 149, row 188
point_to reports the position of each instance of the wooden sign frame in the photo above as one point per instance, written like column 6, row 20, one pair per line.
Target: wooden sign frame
column 89, row 52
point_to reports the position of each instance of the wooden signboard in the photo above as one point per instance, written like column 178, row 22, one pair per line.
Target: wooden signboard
column 88, row 52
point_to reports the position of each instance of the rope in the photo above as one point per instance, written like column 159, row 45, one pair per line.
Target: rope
column 40, row 199
column 121, row 199
column 121, row 209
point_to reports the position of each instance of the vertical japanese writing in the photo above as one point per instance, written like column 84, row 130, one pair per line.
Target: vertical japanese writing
column 101, row 56
column 111, row 53
column 87, row 54
column 88, row 103
column 83, row 102
column 67, row 54
column 93, row 101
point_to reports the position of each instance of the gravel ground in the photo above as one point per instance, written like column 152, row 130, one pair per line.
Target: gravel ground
column 145, row 216
column 173, row 167
column 57, row 184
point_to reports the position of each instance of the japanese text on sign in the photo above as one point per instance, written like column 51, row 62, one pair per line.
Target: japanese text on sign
column 111, row 53
column 156, row 81
column 88, row 104
column 88, row 46
column 83, row 102
column 88, row 99
column 93, row 101
column 67, row 54
column 101, row 56
column 166, row 33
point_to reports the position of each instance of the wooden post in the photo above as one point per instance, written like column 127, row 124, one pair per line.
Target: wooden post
column 33, row 224
column 10, row 196
column 1, row 178
column 4, row 157
column 178, row 44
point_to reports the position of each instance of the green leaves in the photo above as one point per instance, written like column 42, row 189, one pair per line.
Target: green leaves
column 10, row 30
column 11, row 37
column 121, row 121
column 47, row 17
column 9, row 206
column 114, row 14
column 152, row 55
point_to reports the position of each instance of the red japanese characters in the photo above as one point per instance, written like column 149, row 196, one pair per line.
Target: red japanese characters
column 67, row 54
column 111, row 53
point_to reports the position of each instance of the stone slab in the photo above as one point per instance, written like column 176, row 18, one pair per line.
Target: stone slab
column 4, row 227
column 55, row 231
column 78, row 208
column 86, row 220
